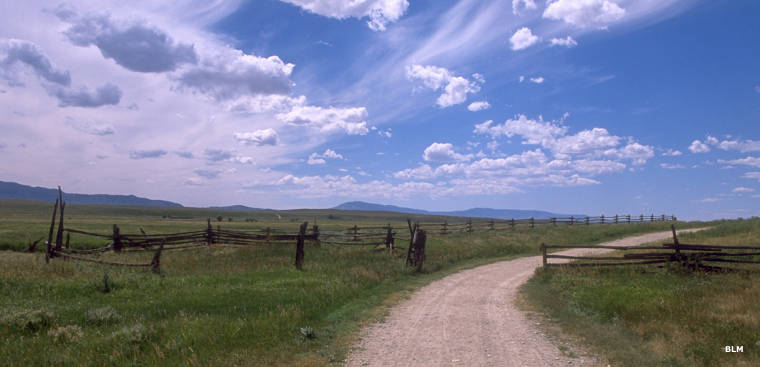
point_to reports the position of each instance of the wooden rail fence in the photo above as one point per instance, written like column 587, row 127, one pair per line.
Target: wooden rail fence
column 691, row 256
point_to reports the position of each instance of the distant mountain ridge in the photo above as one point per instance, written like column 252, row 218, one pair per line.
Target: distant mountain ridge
column 12, row 190
column 474, row 212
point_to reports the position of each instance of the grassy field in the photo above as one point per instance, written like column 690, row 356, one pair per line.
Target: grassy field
column 650, row 316
column 223, row 305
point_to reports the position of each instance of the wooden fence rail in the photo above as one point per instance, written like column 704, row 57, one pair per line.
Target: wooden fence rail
column 692, row 256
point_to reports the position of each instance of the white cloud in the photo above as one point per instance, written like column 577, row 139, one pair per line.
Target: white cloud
column 518, row 6
column 132, row 44
column 423, row 172
column 709, row 200
column 455, row 88
column 379, row 12
column 748, row 161
column 328, row 119
column 741, row 145
column 316, row 158
column 258, row 137
column 456, row 91
column 443, row 152
column 263, row 103
column 698, row 147
column 671, row 166
column 585, row 13
column 142, row 154
column 522, row 39
column 592, row 143
column 672, row 153
column 537, row 80
column 743, row 189
column 479, row 106
column 565, row 42
column 228, row 74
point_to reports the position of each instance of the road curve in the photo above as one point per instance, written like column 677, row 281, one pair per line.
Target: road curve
column 469, row 319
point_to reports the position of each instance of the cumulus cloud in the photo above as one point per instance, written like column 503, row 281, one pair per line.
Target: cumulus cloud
column 348, row 186
column 455, row 88
column 379, row 12
column 585, row 13
column 565, row 42
column 592, row 143
column 698, row 147
column 263, row 103
column 522, row 39
column 206, row 173
column 90, row 127
column 518, row 6
column 537, row 80
column 134, row 45
column 752, row 175
column 143, row 154
column 747, row 161
column 15, row 52
column 741, row 145
column 231, row 74
column 479, row 106
column 107, row 94
column 443, row 152
column 258, row 137
column 328, row 119
column 316, row 158
column 672, row 166
column 672, row 153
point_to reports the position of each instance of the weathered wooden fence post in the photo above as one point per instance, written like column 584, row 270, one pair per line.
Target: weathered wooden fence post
column 389, row 240
column 554, row 221
column 587, row 221
column 59, row 235
column 315, row 233
column 628, row 218
column 419, row 249
column 602, row 218
column 155, row 264
column 49, row 250
column 616, row 219
column 209, row 232
column 651, row 219
column 412, row 232
column 543, row 254
column 445, row 227
column 531, row 222
column 663, row 218
column 469, row 225
column 299, row 245
column 641, row 218
column 512, row 223
column 356, row 233
column 491, row 225
column 572, row 220
column 117, row 244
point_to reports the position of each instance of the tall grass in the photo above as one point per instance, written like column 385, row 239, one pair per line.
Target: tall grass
column 228, row 305
column 650, row 316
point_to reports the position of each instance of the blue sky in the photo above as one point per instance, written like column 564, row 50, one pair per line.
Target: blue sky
column 592, row 106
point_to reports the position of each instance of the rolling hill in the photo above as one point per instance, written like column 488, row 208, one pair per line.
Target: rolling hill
column 12, row 190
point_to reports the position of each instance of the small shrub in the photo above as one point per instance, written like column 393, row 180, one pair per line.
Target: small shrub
column 32, row 321
column 308, row 333
column 134, row 336
column 103, row 315
column 68, row 333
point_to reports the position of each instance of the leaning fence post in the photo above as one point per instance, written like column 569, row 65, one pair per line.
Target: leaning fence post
column 50, row 234
column 156, row 263
column 543, row 254
column 299, row 246
column 412, row 231
column 675, row 240
column 389, row 241
column 59, row 235
column 117, row 245
column 419, row 249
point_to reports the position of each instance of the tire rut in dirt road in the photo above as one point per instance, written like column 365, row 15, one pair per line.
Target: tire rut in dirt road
column 469, row 319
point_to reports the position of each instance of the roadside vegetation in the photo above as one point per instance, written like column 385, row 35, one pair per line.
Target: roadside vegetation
column 225, row 305
column 652, row 316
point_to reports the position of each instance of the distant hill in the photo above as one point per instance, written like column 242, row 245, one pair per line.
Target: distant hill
column 12, row 190
column 237, row 208
column 474, row 212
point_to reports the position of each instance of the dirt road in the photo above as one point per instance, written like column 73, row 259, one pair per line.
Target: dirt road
column 469, row 319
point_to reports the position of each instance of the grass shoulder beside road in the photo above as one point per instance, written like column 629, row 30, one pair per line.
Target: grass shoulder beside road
column 650, row 316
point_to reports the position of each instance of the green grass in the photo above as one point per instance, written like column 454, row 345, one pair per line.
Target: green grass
column 650, row 316
column 223, row 305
